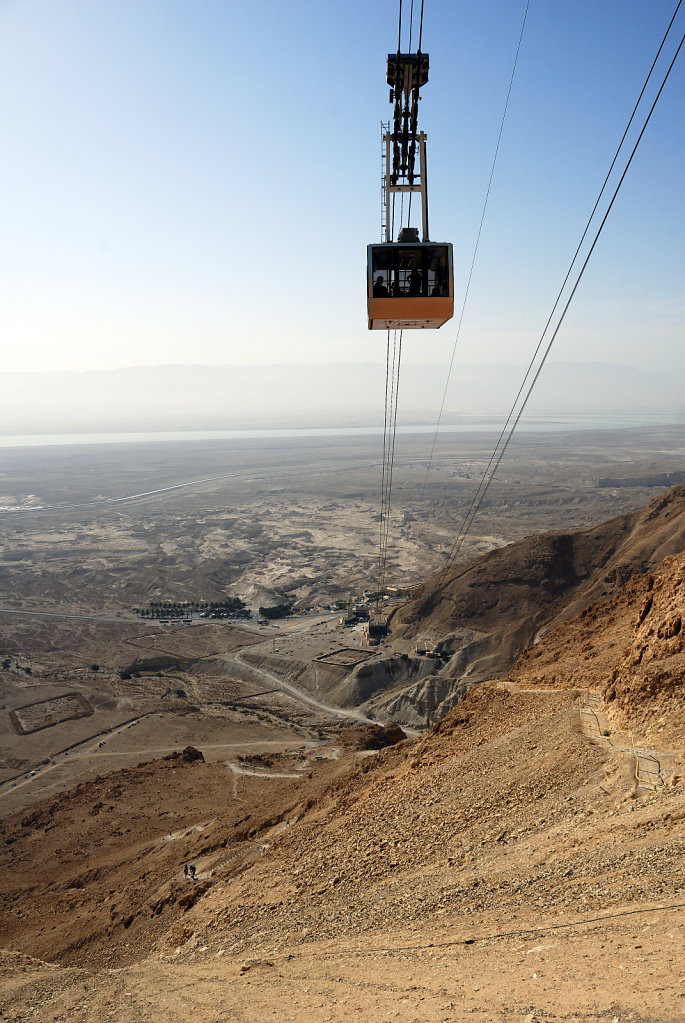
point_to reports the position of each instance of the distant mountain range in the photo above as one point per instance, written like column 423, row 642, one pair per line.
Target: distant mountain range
column 344, row 394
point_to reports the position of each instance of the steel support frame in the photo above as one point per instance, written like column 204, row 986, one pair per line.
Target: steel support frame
column 421, row 186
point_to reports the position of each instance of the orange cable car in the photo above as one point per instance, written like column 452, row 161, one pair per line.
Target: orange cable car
column 409, row 282
column 410, row 285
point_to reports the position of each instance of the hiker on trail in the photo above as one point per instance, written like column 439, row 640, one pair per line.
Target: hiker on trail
column 185, row 871
column 191, row 871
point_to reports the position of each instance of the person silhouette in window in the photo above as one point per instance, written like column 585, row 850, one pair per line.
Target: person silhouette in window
column 415, row 282
column 379, row 288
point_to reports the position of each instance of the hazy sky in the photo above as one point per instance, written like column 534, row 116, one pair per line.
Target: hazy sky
column 196, row 182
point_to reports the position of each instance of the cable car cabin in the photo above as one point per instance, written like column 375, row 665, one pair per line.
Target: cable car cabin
column 410, row 285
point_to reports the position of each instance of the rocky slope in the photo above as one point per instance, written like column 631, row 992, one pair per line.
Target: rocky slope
column 512, row 863
column 487, row 611
column 510, row 815
column 630, row 648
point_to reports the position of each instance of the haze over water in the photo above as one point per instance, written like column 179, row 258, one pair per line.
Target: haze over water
column 542, row 423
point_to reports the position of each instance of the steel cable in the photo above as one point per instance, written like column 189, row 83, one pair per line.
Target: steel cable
column 393, row 362
column 497, row 455
column 475, row 253
column 392, row 379
column 570, row 269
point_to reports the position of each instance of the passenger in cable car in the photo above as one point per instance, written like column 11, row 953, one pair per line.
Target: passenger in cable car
column 415, row 282
column 379, row 288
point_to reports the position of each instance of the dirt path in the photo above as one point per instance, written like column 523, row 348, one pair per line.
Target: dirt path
column 586, row 971
column 96, row 753
column 77, row 751
column 292, row 690
column 238, row 769
column 110, row 620
column 651, row 767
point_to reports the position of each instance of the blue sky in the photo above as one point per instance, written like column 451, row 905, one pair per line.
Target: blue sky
column 197, row 182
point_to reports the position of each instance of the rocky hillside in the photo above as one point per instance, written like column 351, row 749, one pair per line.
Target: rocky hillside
column 521, row 860
column 630, row 648
column 489, row 610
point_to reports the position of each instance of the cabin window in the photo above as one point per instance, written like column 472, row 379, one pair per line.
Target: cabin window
column 409, row 271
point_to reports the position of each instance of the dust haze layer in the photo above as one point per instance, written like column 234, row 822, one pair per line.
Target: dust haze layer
column 233, row 397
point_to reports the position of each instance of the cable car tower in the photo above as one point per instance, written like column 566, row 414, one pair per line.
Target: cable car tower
column 410, row 282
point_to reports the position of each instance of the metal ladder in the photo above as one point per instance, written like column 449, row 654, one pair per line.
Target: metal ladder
column 385, row 128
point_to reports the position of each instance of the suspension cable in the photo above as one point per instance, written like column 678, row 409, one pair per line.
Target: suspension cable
column 384, row 466
column 392, row 379
column 475, row 252
column 500, row 448
column 580, row 243
column 392, row 383
column 392, row 431
column 418, row 51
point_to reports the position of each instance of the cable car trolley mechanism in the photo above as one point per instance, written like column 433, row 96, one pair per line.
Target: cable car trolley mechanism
column 410, row 282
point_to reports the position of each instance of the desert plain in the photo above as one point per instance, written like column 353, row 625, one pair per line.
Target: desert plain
column 472, row 872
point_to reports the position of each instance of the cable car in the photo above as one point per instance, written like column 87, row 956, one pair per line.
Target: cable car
column 410, row 284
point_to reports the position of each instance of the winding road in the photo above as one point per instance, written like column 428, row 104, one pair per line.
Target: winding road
column 298, row 694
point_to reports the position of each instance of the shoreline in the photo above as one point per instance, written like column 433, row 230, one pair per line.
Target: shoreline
column 534, row 423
